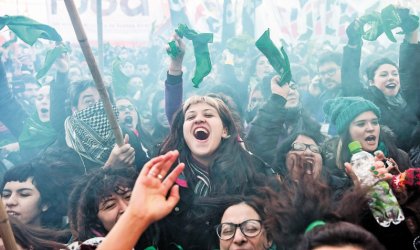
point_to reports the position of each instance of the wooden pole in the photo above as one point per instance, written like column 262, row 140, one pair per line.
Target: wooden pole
column 6, row 232
column 94, row 70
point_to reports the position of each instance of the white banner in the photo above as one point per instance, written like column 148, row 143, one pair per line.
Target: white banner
column 125, row 22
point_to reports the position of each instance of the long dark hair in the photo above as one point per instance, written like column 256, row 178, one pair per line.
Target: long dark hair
column 386, row 137
column 231, row 161
column 297, row 206
column 36, row 238
column 279, row 162
column 88, row 193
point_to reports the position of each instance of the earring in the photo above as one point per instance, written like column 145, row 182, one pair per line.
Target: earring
column 44, row 208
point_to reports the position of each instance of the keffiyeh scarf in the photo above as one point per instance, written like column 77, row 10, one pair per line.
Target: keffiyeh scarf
column 88, row 132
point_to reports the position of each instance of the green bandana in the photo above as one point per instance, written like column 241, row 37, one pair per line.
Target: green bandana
column 201, row 51
column 36, row 133
column 50, row 58
column 278, row 59
column 29, row 30
column 119, row 79
column 389, row 19
column 375, row 29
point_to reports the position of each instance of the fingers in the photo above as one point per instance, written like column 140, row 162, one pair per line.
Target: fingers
column 379, row 155
column 275, row 79
column 148, row 166
column 173, row 197
column 349, row 170
column 171, row 178
column 126, row 138
column 159, row 166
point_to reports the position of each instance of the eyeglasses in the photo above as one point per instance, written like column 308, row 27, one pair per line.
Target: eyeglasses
column 297, row 146
column 249, row 228
column 329, row 72
column 123, row 108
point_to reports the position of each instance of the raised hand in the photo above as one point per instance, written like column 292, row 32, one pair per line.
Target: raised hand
column 149, row 199
column 354, row 32
column 175, row 65
column 277, row 89
column 149, row 202
column 123, row 156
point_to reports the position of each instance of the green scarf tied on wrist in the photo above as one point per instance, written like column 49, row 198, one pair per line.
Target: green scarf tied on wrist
column 201, row 51
column 29, row 30
column 278, row 59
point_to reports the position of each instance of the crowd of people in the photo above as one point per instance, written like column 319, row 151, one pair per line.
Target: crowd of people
column 242, row 162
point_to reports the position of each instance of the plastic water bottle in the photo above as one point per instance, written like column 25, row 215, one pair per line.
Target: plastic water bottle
column 383, row 204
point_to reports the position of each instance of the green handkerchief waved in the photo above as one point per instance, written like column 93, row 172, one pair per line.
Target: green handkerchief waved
column 29, row 30
column 278, row 59
column 50, row 58
column 201, row 51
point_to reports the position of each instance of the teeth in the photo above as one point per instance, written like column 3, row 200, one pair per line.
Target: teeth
column 12, row 213
column 308, row 167
column 370, row 138
column 200, row 129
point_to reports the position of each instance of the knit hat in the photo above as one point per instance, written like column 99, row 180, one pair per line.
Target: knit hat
column 342, row 110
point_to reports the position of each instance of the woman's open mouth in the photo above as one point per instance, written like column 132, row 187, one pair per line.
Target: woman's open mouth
column 128, row 120
column 391, row 85
column 371, row 139
column 201, row 134
column 44, row 110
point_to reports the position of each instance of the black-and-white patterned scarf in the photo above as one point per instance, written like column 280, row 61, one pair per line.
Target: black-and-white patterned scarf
column 88, row 132
column 202, row 186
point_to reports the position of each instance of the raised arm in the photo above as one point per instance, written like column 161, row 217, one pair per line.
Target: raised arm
column 58, row 95
column 173, row 83
column 11, row 112
column 266, row 128
column 350, row 75
column 409, row 68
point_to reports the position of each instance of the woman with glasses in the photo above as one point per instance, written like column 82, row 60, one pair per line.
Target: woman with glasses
column 299, row 157
column 394, row 89
column 130, row 123
column 281, row 116
column 230, row 222
column 241, row 226
column 357, row 119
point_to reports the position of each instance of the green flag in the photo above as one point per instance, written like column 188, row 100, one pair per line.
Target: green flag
column 29, row 30
column 201, row 51
column 50, row 58
column 390, row 20
column 119, row 79
column 10, row 42
column 374, row 26
column 278, row 59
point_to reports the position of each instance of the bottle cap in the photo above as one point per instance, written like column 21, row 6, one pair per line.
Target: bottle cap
column 355, row 146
